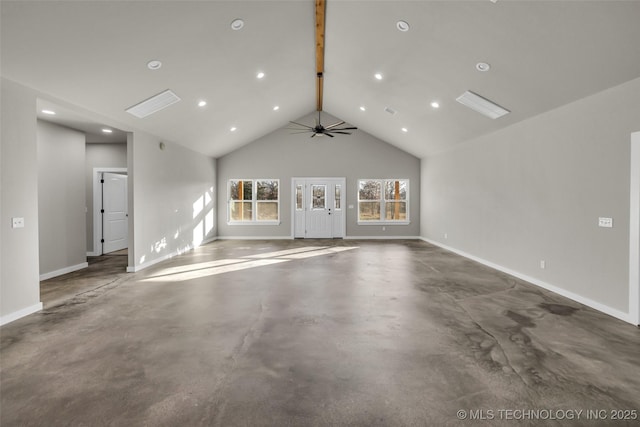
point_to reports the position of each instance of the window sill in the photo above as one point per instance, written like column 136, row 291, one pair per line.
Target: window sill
column 253, row 222
column 384, row 222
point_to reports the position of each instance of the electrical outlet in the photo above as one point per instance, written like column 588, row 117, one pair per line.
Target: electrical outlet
column 17, row 222
column 543, row 264
column 446, row 236
column 605, row 222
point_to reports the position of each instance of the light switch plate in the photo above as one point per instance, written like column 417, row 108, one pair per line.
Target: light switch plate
column 17, row 222
column 605, row 222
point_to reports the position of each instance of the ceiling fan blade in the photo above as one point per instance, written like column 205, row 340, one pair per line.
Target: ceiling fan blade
column 328, row 134
column 300, row 124
column 334, row 125
column 302, row 131
column 349, row 128
column 342, row 133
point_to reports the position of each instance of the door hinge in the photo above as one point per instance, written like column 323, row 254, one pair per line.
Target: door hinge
column 101, row 210
column 102, row 181
column 101, row 240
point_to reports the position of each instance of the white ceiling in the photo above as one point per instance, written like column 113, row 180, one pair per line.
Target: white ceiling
column 543, row 54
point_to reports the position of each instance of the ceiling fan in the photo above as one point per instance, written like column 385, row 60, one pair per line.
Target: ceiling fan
column 319, row 129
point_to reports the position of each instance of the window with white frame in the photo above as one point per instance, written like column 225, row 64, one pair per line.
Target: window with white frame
column 383, row 201
column 254, row 201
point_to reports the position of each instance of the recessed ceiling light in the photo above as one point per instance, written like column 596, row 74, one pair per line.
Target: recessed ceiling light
column 233, row 129
column 483, row 66
column 276, row 108
column 49, row 112
column 363, row 108
column 402, row 26
column 405, row 130
column 105, row 130
column 202, row 103
column 435, row 104
column 260, row 75
column 154, row 65
column 378, row 76
column 237, row 24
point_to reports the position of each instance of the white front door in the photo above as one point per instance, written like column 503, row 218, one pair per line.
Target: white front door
column 115, row 225
column 318, row 207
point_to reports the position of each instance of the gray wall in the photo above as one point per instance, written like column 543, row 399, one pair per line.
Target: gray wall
column 171, row 204
column 534, row 191
column 19, row 280
column 61, row 197
column 97, row 156
column 284, row 155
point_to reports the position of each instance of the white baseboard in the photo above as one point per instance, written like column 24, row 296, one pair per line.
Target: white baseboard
column 382, row 238
column 20, row 313
column 255, row 237
column 93, row 254
column 563, row 292
column 62, row 271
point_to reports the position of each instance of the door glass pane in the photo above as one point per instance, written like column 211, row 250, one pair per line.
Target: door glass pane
column 395, row 210
column 267, row 211
column 369, row 211
column 337, row 197
column 241, row 211
column 318, row 193
column 299, row 195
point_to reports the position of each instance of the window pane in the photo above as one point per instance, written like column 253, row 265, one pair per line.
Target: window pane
column 241, row 190
column 337, row 196
column 369, row 190
column 395, row 190
column 241, row 211
column 267, row 211
column 396, row 211
column 247, row 188
column 318, row 193
column 369, row 211
column 299, row 194
column 267, row 190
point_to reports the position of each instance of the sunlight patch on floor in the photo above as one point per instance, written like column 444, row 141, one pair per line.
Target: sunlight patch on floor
column 211, row 268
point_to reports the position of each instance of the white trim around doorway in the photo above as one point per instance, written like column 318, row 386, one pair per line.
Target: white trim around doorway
column 634, row 232
column 97, row 205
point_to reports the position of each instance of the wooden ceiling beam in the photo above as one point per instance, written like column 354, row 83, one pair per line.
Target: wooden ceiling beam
column 320, row 24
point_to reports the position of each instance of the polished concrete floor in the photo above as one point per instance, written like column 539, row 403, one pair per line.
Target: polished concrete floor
column 314, row 333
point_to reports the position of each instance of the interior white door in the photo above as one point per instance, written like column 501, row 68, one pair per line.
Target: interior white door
column 115, row 225
column 318, row 207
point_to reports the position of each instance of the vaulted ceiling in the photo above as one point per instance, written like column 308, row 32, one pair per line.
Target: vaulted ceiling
column 542, row 54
